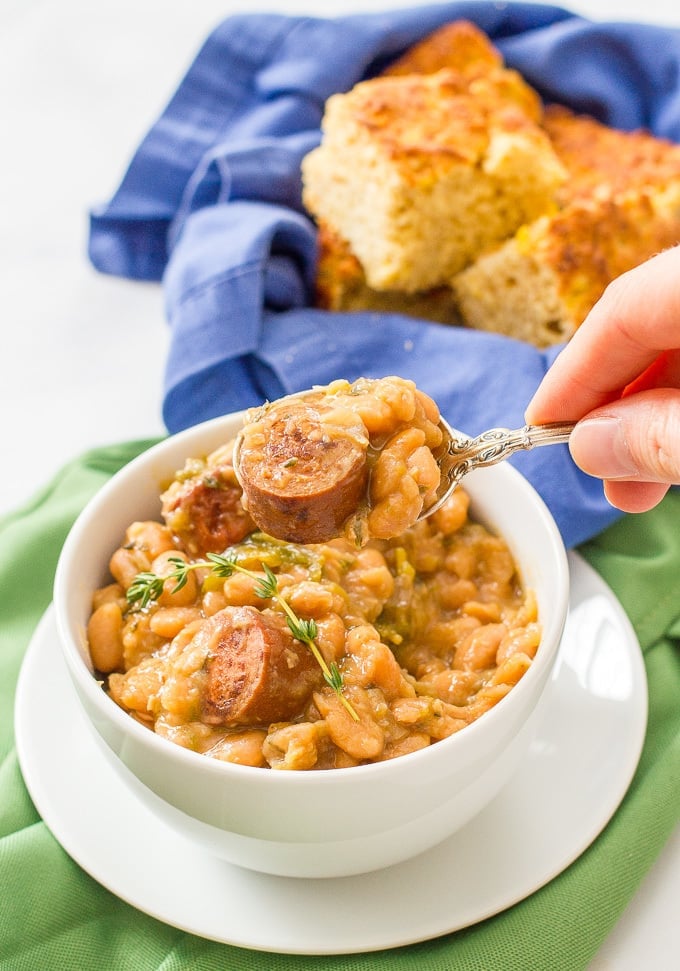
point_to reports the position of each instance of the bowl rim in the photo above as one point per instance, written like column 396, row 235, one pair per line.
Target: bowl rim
column 87, row 682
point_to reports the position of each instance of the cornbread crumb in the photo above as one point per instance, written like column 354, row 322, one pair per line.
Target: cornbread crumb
column 422, row 173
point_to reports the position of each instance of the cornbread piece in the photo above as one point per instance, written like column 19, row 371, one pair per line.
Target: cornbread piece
column 460, row 45
column 341, row 285
column 420, row 174
column 621, row 205
column 341, row 281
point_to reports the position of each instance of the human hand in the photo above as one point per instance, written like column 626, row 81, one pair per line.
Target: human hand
column 620, row 373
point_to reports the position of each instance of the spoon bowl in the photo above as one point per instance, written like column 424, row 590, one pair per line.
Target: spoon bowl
column 347, row 489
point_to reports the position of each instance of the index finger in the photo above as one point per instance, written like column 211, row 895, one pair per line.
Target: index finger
column 636, row 319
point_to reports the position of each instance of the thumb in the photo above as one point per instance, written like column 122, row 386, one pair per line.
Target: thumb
column 634, row 438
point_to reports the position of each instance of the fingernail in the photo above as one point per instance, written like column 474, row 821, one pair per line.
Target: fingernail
column 599, row 446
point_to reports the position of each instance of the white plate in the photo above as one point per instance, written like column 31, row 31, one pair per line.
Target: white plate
column 591, row 730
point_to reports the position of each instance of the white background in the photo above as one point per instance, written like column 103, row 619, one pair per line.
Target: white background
column 82, row 354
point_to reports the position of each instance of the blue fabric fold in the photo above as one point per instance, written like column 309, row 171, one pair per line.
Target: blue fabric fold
column 211, row 206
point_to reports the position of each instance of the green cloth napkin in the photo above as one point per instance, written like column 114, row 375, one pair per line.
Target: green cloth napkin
column 54, row 916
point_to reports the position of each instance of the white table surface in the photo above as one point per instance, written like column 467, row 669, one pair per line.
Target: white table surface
column 83, row 354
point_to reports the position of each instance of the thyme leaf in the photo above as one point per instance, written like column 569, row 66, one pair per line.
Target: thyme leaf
column 303, row 630
column 268, row 588
column 222, row 566
column 144, row 588
column 334, row 678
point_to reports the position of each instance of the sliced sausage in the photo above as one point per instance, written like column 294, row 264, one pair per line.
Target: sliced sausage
column 257, row 673
column 304, row 468
column 204, row 510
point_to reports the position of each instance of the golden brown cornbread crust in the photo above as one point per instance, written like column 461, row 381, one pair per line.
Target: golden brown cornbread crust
column 605, row 161
column 460, row 45
column 443, row 117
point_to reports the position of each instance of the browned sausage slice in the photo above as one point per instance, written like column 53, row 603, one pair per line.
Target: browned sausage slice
column 257, row 673
column 303, row 465
column 204, row 510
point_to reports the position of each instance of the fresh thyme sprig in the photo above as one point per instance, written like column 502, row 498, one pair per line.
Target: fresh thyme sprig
column 148, row 586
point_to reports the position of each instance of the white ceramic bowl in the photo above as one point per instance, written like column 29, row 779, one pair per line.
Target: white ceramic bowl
column 314, row 823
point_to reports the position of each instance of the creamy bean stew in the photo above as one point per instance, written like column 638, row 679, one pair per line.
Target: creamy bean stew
column 278, row 655
column 354, row 459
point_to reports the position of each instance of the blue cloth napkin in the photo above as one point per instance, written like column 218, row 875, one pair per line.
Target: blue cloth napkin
column 211, row 205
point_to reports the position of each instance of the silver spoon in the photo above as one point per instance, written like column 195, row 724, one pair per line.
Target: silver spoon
column 457, row 455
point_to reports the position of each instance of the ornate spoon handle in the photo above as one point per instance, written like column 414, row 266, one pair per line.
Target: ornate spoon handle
column 497, row 444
